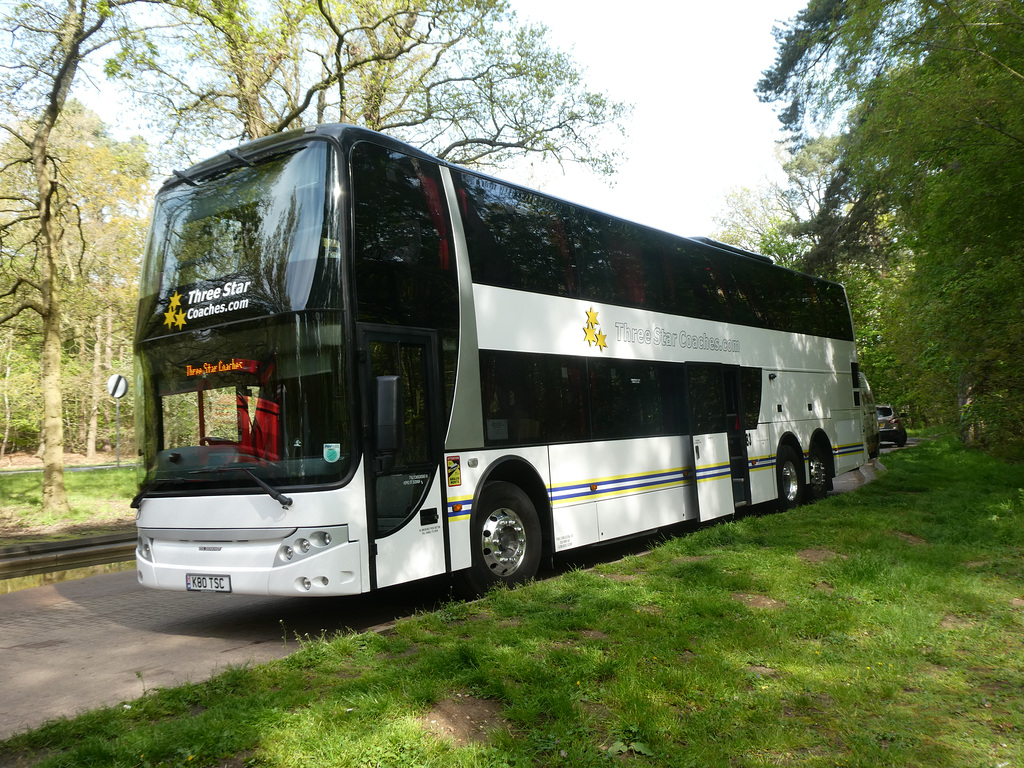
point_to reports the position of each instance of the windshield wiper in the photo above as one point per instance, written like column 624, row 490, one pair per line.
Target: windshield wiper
column 240, row 159
column 276, row 495
column 186, row 178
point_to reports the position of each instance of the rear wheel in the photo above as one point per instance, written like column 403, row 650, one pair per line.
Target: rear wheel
column 789, row 471
column 505, row 538
column 818, row 468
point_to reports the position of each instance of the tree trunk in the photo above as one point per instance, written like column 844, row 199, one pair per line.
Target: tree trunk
column 55, row 499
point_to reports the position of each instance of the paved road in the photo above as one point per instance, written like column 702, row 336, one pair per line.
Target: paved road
column 99, row 641
column 78, row 645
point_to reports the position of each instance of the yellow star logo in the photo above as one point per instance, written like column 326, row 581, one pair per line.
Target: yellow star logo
column 592, row 331
column 179, row 319
column 173, row 310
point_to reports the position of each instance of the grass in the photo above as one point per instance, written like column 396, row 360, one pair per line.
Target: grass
column 877, row 628
column 99, row 500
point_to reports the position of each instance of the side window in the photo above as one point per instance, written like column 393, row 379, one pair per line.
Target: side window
column 625, row 245
column 399, row 488
column 590, row 244
column 403, row 261
column 632, row 399
column 622, row 263
column 612, row 260
column 698, row 289
column 807, row 314
column 750, row 386
column 516, row 239
column 707, row 399
column 840, row 324
column 529, row 399
column 749, row 303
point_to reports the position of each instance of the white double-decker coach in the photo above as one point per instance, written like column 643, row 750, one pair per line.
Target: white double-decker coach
column 359, row 366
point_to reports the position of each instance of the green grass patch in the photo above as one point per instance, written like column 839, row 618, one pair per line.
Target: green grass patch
column 877, row 628
column 99, row 499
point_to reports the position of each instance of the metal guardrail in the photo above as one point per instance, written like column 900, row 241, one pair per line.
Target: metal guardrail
column 32, row 559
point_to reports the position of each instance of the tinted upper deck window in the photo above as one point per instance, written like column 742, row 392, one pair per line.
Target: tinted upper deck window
column 516, row 239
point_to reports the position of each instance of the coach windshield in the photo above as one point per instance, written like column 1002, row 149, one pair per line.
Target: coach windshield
column 239, row 338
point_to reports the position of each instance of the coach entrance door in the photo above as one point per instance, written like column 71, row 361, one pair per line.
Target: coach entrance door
column 718, row 438
column 404, row 489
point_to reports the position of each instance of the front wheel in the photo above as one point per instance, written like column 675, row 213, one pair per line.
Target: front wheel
column 505, row 538
column 789, row 471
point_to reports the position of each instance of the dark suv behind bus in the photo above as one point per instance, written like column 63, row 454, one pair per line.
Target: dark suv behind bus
column 890, row 426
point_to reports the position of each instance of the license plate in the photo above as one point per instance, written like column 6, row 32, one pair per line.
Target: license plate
column 203, row 583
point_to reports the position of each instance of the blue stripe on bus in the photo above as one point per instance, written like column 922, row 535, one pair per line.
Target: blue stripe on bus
column 607, row 487
column 848, row 450
column 620, row 485
column 713, row 472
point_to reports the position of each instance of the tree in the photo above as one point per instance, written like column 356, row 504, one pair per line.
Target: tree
column 48, row 42
column 813, row 223
column 819, row 221
column 106, row 184
column 933, row 98
column 757, row 220
column 104, row 199
column 460, row 78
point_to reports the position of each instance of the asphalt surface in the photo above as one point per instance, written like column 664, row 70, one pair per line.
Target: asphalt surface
column 100, row 641
column 104, row 640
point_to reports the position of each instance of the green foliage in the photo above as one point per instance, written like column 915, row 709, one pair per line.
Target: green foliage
column 759, row 221
column 932, row 94
column 100, row 207
column 460, row 78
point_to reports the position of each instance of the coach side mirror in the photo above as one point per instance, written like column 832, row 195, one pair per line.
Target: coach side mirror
column 389, row 420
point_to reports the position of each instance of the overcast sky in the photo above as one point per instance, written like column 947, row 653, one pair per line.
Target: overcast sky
column 689, row 68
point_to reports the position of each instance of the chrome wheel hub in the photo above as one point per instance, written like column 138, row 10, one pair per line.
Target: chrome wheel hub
column 818, row 473
column 790, row 481
column 503, row 541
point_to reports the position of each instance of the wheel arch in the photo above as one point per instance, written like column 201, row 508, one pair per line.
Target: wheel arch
column 823, row 443
column 790, row 441
column 521, row 473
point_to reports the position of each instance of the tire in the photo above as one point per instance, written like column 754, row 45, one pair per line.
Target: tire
column 818, row 472
column 505, row 538
column 789, row 472
column 901, row 439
